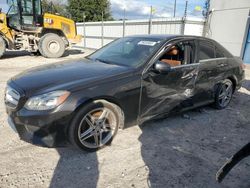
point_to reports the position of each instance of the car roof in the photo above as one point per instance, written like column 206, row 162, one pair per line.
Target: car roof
column 167, row 36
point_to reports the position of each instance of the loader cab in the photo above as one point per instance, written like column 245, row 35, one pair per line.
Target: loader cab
column 25, row 14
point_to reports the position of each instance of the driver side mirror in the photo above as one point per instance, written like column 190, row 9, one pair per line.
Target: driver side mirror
column 162, row 67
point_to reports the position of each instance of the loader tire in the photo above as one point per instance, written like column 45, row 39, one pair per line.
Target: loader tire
column 51, row 46
column 2, row 46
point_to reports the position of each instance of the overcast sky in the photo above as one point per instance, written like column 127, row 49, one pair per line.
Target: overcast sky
column 164, row 8
column 140, row 9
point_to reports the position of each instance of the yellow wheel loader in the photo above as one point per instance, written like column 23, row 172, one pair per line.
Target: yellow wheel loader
column 26, row 27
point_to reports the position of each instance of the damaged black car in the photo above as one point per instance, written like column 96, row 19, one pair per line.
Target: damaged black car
column 127, row 82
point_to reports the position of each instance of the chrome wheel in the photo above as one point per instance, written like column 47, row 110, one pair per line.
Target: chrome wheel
column 97, row 127
column 225, row 94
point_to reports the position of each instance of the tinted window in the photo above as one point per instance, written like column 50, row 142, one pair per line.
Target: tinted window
column 206, row 50
column 218, row 53
column 221, row 51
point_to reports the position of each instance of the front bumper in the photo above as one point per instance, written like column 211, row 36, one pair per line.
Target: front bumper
column 40, row 128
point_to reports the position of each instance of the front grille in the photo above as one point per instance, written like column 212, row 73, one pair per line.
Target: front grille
column 11, row 97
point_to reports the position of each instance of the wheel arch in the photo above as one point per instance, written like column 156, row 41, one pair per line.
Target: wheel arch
column 233, row 79
column 55, row 31
column 109, row 99
column 7, row 43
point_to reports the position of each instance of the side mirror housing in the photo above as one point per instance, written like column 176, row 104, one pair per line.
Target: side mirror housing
column 162, row 67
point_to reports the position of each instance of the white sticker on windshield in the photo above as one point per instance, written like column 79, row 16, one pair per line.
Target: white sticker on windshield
column 147, row 43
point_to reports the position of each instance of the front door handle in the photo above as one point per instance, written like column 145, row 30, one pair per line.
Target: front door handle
column 191, row 75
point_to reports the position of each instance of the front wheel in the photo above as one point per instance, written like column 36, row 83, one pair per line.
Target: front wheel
column 51, row 46
column 2, row 46
column 95, row 125
column 223, row 94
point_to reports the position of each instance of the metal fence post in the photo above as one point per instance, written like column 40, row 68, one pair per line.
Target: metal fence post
column 124, row 28
column 102, row 33
column 150, row 20
column 84, row 31
column 183, row 22
column 124, row 23
column 150, row 26
column 84, row 34
column 102, row 42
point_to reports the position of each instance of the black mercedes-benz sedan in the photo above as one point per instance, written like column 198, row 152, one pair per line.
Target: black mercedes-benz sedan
column 129, row 81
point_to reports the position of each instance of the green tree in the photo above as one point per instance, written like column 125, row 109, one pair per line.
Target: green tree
column 91, row 9
column 55, row 7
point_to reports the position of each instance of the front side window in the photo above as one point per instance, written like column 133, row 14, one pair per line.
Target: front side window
column 206, row 50
column 128, row 51
column 182, row 53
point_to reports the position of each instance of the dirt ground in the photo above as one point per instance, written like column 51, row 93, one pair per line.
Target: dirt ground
column 185, row 150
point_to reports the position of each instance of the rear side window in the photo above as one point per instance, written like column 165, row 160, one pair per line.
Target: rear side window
column 218, row 52
column 221, row 52
column 206, row 50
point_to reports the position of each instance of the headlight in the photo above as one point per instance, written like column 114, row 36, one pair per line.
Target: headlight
column 47, row 101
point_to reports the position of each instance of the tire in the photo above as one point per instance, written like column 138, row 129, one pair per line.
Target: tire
column 2, row 46
column 51, row 46
column 223, row 94
column 88, row 127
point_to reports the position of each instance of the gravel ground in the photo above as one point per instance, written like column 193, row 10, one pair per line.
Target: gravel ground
column 184, row 150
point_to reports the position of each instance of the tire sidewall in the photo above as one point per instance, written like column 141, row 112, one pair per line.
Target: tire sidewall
column 44, row 41
column 218, row 90
column 2, row 46
column 75, row 123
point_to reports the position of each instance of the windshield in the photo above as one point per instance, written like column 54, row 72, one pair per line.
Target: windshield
column 128, row 51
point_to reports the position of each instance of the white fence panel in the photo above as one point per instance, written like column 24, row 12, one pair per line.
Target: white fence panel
column 97, row 34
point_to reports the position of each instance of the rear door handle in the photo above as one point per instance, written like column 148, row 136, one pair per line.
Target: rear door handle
column 221, row 65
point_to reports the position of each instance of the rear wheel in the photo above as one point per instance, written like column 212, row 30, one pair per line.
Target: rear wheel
column 51, row 46
column 2, row 46
column 224, row 94
column 95, row 125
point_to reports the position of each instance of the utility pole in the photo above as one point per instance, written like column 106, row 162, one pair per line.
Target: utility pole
column 184, row 19
column 174, row 7
column 185, row 12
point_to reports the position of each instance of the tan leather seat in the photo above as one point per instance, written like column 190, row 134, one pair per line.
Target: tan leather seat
column 172, row 52
column 172, row 63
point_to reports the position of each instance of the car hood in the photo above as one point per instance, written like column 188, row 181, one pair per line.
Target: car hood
column 66, row 75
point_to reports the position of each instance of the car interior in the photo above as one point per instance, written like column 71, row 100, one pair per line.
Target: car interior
column 179, row 54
